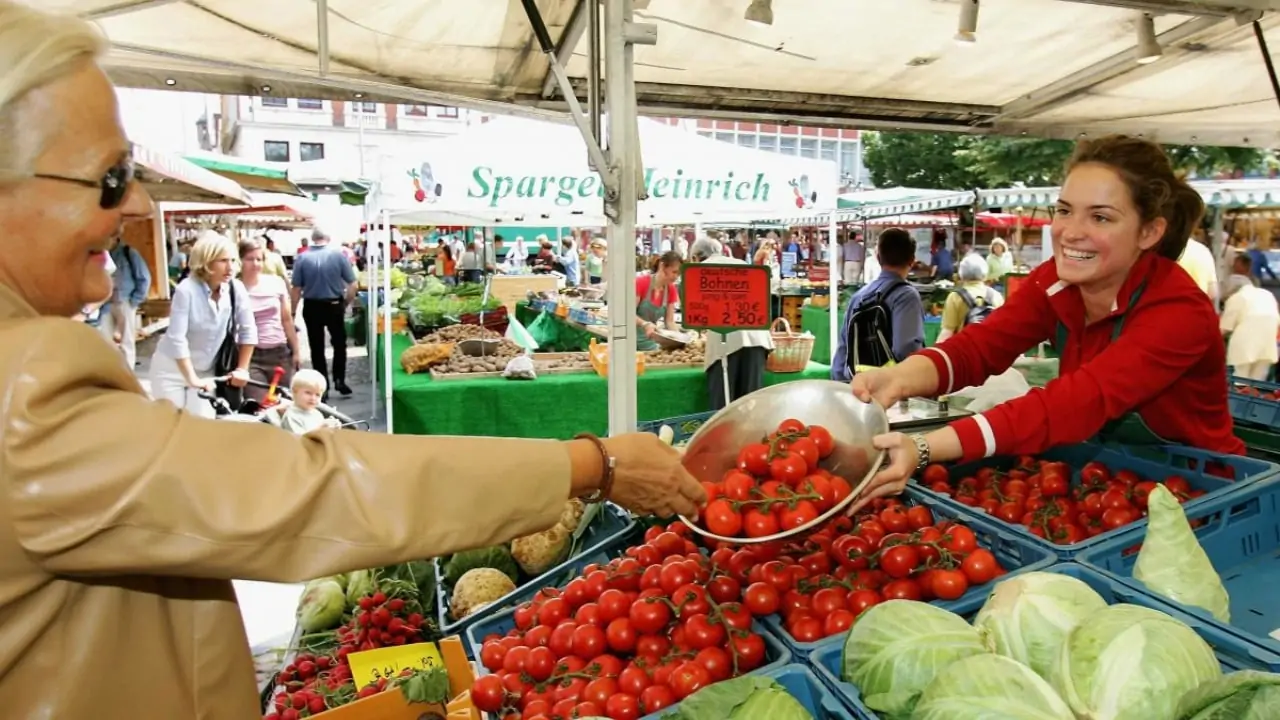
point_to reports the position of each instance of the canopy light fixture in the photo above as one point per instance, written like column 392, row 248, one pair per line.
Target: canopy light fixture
column 1148, row 50
column 170, row 82
column 266, row 88
column 967, row 32
column 760, row 12
column 640, row 4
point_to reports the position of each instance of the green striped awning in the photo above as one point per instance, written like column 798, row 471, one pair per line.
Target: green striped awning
column 923, row 205
column 1019, row 197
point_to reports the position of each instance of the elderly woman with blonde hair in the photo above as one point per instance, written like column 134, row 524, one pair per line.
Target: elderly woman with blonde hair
column 125, row 520
column 209, row 309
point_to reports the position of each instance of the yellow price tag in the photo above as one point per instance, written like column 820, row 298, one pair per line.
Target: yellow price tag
column 388, row 662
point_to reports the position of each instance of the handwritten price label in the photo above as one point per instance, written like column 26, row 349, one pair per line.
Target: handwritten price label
column 371, row 665
column 725, row 298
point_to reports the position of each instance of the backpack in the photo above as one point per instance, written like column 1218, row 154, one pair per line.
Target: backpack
column 871, row 330
column 977, row 313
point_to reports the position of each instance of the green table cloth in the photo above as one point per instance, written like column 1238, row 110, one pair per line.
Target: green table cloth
column 553, row 406
column 552, row 332
column 817, row 320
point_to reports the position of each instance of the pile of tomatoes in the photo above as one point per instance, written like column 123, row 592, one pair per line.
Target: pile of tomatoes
column 623, row 639
column 1039, row 495
column 776, row 486
column 889, row 551
column 1252, row 391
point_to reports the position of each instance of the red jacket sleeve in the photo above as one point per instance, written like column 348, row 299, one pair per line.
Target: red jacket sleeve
column 989, row 348
column 1159, row 344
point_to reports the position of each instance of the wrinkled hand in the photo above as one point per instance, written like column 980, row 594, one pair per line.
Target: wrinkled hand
column 892, row 478
column 206, row 384
column 882, row 386
column 238, row 378
column 117, row 337
column 648, row 478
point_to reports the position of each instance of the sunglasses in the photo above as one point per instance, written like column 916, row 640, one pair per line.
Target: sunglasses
column 114, row 184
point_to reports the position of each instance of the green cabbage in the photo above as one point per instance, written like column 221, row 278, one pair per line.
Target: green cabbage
column 1171, row 562
column 1244, row 695
column 750, row 697
column 1131, row 663
column 1027, row 617
column 773, row 703
column 359, row 584
column 990, row 687
column 897, row 648
column 321, row 606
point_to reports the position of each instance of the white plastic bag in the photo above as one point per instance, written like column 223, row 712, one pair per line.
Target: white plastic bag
column 520, row 368
column 996, row 390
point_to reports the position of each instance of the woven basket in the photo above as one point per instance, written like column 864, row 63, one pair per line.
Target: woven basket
column 791, row 351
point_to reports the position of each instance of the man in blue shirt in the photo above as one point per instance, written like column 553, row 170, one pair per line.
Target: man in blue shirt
column 325, row 281
column 940, row 258
column 896, row 251
column 131, row 283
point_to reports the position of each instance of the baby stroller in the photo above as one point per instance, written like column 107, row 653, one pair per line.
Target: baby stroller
column 251, row 411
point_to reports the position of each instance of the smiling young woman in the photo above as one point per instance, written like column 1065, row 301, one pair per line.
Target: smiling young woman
column 1142, row 360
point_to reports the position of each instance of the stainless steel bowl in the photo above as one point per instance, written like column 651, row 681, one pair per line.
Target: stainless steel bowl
column 672, row 339
column 714, row 448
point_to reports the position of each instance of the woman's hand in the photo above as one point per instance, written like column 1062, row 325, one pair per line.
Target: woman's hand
column 238, row 377
column 892, row 478
column 650, row 330
column 881, row 385
column 297, row 362
column 206, row 384
column 649, row 479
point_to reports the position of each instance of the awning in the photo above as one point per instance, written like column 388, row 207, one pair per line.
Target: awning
column 922, row 205
column 252, row 177
column 1019, row 197
column 169, row 178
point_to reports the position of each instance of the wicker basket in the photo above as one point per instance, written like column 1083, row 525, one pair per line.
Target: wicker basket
column 791, row 351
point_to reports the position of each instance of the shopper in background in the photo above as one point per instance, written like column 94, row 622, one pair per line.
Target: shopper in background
column 518, row 257
column 596, row 254
column 272, row 261
column 570, row 263
column 125, row 519
column 747, row 350
column 887, row 310
column 471, row 264
column 972, row 300
column 656, row 299
column 1142, row 358
column 941, row 264
column 324, row 282
column 1251, row 322
column 1000, row 261
column 445, row 269
column 767, row 254
column 1199, row 263
column 132, row 282
column 278, row 345
column 206, row 307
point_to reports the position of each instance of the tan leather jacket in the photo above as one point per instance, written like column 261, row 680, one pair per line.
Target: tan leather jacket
column 125, row 520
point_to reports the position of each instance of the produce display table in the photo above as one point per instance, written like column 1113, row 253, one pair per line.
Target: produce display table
column 553, row 406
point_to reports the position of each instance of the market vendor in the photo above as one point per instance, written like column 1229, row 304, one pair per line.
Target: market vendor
column 656, row 299
column 747, row 351
column 126, row 518
column 1142, row 358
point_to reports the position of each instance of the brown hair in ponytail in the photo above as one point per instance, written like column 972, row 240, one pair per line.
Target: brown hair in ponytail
column 669, row 258
column 1157, row 191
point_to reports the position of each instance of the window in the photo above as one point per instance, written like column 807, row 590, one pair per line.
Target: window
column 808, row 148
column 705, row 133
column 445, row 111
column 849, row 159
column 724, row 137
column 310, row 104
column 787, row 145
column 365, row 107
column 747, row 140
column 275, row 102
column 418, row 109
column 310, row 151
column 829, row 150
column 275, row 151
column 769, row 142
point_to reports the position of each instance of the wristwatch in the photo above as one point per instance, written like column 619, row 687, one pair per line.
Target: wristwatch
column 922, row 451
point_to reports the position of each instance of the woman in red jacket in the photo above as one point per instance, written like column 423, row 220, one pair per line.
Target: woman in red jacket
column 1142, row 359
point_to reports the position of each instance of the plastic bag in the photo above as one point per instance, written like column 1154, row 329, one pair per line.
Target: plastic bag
column 996, row 390
column 520, row 368
column 1171, row 562
column 517, row 334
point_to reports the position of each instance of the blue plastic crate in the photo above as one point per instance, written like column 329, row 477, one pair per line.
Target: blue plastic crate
column 802, row 685
column 1241, row 535
column 582, row 317
column 828, row 661
column 775, row 653
column 684, row 426
column 1254, row 410
column 1015, row 553
column 607, row 531
column 1154, row 463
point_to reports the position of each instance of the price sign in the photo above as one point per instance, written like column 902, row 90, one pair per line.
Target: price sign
column 725, row 298
column 388, row 662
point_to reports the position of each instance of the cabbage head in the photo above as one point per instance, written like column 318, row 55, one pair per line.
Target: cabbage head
column 1244, row 695
column 321, row 606
column 1171, row 562
column 897, row 648
column 1027, row 617
column 1131, row 663
column 990, row 687
column 750, row 697
column 359, row 584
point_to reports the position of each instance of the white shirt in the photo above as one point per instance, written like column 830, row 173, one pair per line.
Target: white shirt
column 1252, row 317
column 198, row 325
column 299, row 421
column 1198, row 261
column 733, row 341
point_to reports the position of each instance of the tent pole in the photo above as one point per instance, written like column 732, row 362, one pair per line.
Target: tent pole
column 372, row 312
column 833, row 306
column 386, row 319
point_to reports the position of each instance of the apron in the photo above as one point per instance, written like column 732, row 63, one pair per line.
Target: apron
column 1129, row 428
column 650, row 313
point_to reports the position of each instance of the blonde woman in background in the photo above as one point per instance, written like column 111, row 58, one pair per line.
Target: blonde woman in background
column 277, row 344
column 199, row 317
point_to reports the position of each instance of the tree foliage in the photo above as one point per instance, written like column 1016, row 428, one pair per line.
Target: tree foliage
column 961, row 162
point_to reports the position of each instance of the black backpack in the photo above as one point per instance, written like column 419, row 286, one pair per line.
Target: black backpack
column 871, row 330
column 977, row 313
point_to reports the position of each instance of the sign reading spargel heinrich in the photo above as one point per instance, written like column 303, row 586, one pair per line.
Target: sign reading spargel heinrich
column 564, row 190
column 725, row 298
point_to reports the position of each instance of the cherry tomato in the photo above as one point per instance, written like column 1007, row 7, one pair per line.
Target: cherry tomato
column 762, row 599
column 757, row 524
column 722, row 519
column 790, row 426
column 837, row 622
column 959, row 539
column 894, row 520
column 737, row 485
column 488, row 694
column 948, row 584
column 859, row 600
column 807, row 630
column 717, row 662
column 491, row 656
column 754, row 458
column 980, row 566
column 822, row 487
column 675, row 575
column 919, row 517
column 622, row 706
column 901, row 590
column 649, row 617
column 802, row 514
column 777, row 575
column 1113, row 518
column 827, row 601
column 634, row 681
column 822, row 438
column 789, row 468
column 807, row 450
column 689, row 678
column 1177, row 485
column 540, row 663
column 852, row 551
column 899, row 561
column 840, row 489
column 750, row 650
column 655, row 698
